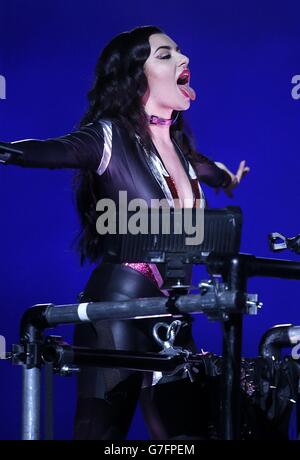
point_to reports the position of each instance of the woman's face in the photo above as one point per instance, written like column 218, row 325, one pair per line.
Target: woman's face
column 163, row 67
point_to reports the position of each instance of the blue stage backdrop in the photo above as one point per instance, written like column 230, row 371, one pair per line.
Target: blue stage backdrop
column 244, row 60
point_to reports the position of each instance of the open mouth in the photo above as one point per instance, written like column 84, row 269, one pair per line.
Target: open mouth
column 183, row 81
column 184, row 77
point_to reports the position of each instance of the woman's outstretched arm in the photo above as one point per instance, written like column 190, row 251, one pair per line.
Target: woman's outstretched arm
column 83, row 148
column 217, row 175
column 209, row 172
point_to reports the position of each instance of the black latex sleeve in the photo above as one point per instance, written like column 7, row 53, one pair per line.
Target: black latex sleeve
column 80, row 149
column 209, row 173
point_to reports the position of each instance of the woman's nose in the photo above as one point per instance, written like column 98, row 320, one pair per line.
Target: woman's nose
column 183, row 60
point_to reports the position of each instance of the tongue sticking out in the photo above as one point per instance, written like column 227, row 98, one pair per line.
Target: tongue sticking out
column 188, row 91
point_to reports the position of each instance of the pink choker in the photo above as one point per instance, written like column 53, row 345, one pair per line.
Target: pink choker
column 155, row 120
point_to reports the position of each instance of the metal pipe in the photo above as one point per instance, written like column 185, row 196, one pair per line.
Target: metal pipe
column 141, row 361
column 31, row 403
column 232, row 346
column 256, row 266
column 273, row 268
column 32, row 324
column 277, row 337
column 140, row 308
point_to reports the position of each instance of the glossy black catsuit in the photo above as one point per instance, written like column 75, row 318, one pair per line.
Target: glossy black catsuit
column 107, row 397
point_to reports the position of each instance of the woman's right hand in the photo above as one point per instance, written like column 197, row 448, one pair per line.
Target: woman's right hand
column 7, row 151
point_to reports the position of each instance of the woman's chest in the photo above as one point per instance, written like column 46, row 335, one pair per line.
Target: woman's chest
column 148, row 176
column 177, row 175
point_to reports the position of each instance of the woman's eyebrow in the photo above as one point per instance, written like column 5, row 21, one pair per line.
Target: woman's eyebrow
column 167, row 48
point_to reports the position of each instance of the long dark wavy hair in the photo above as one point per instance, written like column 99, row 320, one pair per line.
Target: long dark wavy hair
column 117, row 93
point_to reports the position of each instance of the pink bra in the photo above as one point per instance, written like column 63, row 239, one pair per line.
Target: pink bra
column 150, row 271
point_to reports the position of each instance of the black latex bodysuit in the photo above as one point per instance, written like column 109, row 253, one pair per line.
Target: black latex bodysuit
column 107, row 397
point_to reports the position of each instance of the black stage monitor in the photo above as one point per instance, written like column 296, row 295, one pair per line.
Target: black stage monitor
column 216, row 231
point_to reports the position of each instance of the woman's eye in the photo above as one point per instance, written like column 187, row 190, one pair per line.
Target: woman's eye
column 166, row 56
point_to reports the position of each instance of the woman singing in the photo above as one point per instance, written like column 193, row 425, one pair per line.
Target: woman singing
column 131, row 139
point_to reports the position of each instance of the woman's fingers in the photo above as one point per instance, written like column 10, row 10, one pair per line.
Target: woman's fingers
column 242, row 170
column 235, row 179
column 239, row 173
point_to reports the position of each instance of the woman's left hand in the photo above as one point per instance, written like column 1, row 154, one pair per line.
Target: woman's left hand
column 235, row 178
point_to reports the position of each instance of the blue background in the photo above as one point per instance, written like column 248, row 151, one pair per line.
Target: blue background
column 243, row 56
